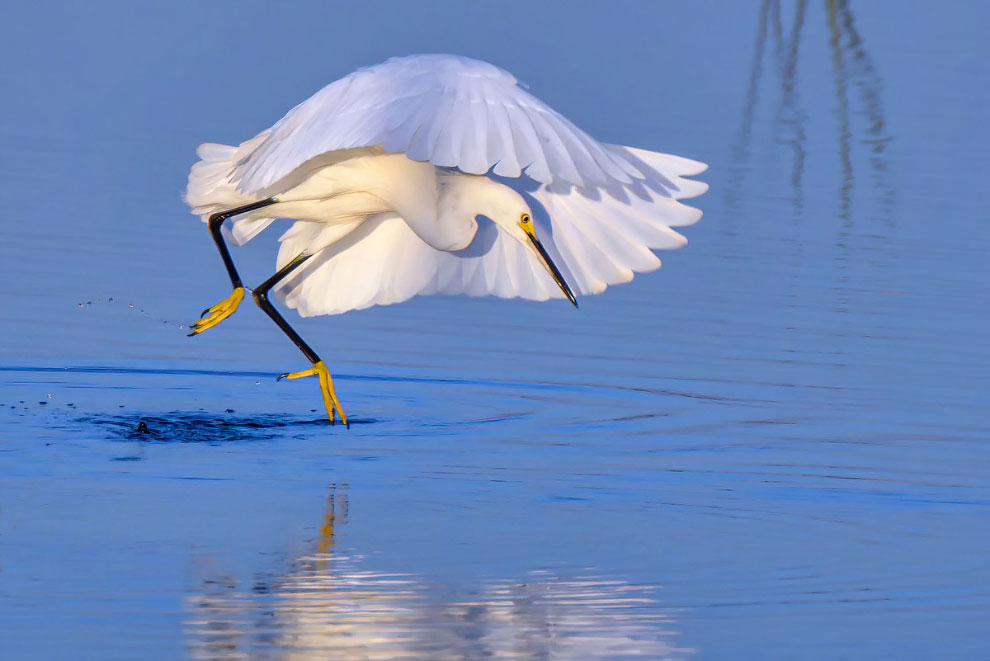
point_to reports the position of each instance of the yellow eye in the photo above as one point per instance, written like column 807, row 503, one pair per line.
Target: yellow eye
column 524, row 219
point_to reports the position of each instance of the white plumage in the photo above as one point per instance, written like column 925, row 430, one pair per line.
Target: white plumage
column 391, row 171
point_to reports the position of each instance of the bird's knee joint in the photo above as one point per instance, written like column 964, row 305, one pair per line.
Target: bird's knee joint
column 216, row 220
column 260, row 295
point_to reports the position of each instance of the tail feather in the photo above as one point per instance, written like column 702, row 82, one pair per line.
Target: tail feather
column 210, row 189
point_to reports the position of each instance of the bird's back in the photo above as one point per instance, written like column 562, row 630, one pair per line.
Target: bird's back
column 341, row 186
column 373, row 143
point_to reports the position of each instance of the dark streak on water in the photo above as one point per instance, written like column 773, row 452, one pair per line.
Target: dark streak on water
column 183, row 427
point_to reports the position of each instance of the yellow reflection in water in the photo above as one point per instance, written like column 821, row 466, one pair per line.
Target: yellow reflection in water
column 328, row 607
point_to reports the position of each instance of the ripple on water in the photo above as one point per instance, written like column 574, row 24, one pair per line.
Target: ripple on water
column 189, row 427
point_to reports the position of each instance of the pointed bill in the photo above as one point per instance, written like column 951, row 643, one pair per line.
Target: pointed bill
column 548, row 263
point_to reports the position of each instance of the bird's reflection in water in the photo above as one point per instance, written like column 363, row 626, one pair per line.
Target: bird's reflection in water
column 329, row 607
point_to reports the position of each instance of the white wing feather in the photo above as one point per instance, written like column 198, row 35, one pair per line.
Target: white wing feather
column 599, row 209
column 449, row 110
column 596, row 236
column 210, row 189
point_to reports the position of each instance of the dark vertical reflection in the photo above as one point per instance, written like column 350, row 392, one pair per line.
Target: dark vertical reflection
column 778, row 30
column 850, row 108
column 791, row 117
column 843, row 243
column 842, row 108
column 328, row 605
column 853, row 69
column 869, row 85
column 741, row 149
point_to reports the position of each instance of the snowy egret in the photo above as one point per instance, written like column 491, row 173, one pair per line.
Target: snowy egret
column 434, row 174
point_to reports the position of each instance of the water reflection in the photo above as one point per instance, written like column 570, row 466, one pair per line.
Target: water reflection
column 328, row 606
column 852, row 67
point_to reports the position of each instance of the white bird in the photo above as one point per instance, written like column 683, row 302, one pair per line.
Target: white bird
column 435, row 174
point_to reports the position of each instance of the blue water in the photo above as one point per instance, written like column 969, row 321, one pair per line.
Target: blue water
column 777, row 446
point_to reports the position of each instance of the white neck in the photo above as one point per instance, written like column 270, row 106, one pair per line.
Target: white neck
column 452, row 224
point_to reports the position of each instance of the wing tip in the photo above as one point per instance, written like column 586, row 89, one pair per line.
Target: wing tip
column 691, row 188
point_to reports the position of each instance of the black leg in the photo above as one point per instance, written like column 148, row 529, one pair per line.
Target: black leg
column 217, row 313
column 261, row 298
column 320, row 370
column 216, row 222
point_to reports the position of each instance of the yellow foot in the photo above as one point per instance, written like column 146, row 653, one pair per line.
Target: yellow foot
column 214, row 315
column 330, row 400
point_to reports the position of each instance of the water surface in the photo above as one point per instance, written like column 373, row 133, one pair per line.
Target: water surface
column 775, row 447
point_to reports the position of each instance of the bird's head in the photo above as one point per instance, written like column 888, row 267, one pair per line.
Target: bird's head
column 512, row 214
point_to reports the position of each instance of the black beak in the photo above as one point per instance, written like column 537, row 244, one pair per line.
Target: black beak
column 552, row 269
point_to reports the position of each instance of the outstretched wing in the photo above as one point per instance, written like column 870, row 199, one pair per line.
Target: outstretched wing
column 596, row 236
column 449, row 110
column 605, row 235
